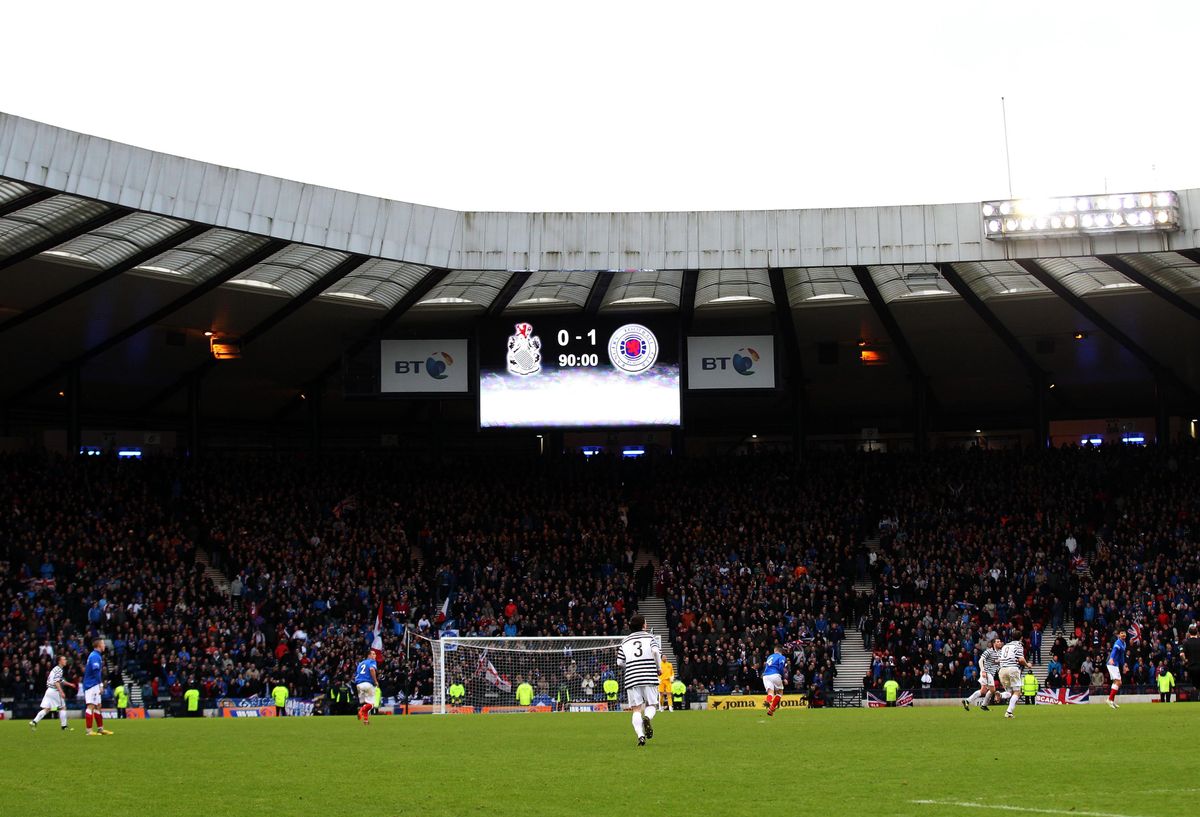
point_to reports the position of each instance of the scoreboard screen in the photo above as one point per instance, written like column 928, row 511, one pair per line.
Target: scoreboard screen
column 574, row 371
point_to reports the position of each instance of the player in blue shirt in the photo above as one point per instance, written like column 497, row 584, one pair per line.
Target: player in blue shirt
column 93, row 680
column 1116, row 660
column 366, row 679
column 773, row 672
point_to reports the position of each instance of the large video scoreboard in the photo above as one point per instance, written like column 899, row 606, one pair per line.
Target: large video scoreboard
column 578, row 371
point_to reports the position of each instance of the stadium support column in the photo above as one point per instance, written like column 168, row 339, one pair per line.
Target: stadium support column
column 1162, row 417
column 74, row 429
column 786, row 324
column 687, row 310
column 1041, row 418
column 1164, row 378
column 1038, row 379
column 920, row 382
column 193, row 419
column 313, row 400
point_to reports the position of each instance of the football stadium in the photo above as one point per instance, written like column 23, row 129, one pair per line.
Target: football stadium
column 321, row 503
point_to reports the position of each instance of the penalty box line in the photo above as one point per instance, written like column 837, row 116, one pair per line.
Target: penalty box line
column 1027, row 810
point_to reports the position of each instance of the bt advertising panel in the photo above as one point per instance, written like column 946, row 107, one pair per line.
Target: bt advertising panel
column 731, row 362
column 578, row 372
column 423, row 367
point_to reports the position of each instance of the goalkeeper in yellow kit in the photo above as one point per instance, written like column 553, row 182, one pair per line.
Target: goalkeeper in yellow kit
column 666, row 677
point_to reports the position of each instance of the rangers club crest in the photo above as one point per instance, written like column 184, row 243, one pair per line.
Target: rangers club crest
column 524, row 351
column 633, row 348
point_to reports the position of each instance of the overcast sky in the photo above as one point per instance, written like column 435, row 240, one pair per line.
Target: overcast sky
column 575, row 105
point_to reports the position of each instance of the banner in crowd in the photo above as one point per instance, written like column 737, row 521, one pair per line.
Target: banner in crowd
column 247, row 708
column 756, row 701
column 731, row 362
column 132, row 713
column 248, row 711
column 298, row 707
column 1063, row 696
column 423, row 366
column 903, row 699
column 583, row 706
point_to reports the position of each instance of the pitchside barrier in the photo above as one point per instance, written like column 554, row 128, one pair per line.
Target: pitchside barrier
column 725, row 703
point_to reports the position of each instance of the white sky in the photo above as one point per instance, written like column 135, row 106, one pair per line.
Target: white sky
column 575, row 105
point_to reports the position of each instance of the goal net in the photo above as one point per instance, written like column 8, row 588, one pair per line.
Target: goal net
column 524, row 674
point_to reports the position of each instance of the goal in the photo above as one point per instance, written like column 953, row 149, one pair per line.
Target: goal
column 563, row 674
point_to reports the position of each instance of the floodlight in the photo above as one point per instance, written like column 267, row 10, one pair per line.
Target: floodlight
column 1108, row 213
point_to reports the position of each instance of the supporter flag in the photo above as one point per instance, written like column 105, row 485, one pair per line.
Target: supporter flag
column 488, row 670
column 444, row 612
column 350, row 503
column 377, row 641
column 448, row 628
column 1135, row 632
column 903, row 699
column 1062, row 696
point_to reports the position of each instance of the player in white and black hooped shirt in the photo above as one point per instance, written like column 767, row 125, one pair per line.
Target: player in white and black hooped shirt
column 54, row 698
column 1012, row 659
column 989, row 666
column 639, row 657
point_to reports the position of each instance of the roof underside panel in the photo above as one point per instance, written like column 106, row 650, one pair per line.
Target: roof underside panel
column 122, row 239
column 11, row 191
column 554, row 290
column 813, row 286
column 992, row 279
column 896, row 282
column 292, row 270
column 735, row 287
column 42, row 221
column 206, row 255
column 643, row 289
column 1170, row 269
column 1085, row 276
column 377, row 283
column 469, row 289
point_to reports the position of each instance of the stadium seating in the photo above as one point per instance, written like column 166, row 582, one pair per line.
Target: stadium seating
column 751, row 551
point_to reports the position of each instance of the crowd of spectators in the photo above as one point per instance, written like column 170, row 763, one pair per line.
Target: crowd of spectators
column 1057, row 547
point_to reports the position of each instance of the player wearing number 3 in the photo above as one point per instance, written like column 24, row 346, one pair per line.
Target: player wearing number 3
column 772, row 674
column 639, row 657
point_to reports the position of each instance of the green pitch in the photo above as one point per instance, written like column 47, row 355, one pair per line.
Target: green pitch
column 1140, row 761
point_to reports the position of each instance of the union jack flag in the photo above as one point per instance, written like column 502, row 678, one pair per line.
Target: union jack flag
column 903, row 699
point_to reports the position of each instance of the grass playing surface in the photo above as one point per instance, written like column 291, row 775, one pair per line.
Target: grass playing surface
column 1140, row 761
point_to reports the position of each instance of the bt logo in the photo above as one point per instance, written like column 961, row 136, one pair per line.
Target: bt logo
column 436, row 365
column 742, row 362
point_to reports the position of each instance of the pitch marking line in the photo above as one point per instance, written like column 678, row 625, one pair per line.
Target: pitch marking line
column 996, row 807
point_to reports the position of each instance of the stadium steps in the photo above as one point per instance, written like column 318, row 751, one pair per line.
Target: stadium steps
column 655, row 611
column 856, row 662
column 134, row 689
column 218, row 579
column 418, row 557
column 644, row 557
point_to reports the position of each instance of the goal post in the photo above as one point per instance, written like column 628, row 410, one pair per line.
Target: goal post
column 486, row 675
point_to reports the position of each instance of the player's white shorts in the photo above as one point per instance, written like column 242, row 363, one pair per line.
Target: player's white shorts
column 986, row 680
column 773, row 683
column 642, row 695
column 91, row 695
column 1114, row 672
column 366, row 693
column 52, row 700
column 1010, row 678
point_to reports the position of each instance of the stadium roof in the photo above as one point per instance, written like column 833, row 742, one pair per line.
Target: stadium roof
column 115, row 260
